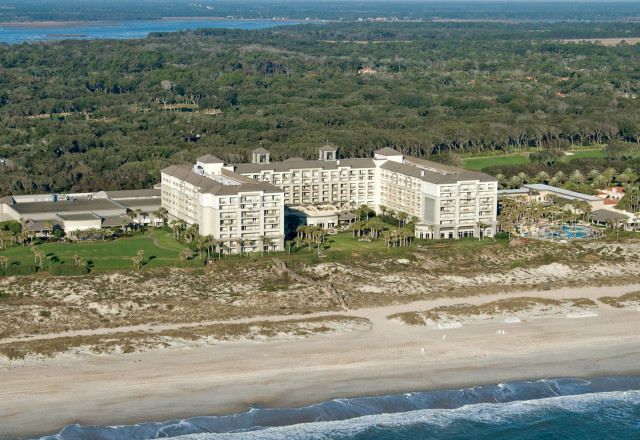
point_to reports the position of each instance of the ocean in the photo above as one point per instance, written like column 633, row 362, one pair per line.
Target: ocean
column 125, row 29
column 565, row 408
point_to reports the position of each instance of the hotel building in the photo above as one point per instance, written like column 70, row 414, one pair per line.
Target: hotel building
column 247, row 201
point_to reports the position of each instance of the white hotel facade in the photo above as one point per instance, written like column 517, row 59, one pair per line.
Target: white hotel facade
column 249, row 201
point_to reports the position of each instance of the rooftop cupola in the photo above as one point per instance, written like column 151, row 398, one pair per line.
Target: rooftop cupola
column 260, row 155
column 328, row 152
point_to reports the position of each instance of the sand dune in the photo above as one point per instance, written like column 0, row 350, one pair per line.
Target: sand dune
column 39, row 397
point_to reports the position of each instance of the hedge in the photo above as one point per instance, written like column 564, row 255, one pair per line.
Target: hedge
column 63, row 269
column 21, row 269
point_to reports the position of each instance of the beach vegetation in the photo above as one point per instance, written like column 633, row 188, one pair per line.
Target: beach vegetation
column 622, row 301
column 495, row 309
column 131, row 342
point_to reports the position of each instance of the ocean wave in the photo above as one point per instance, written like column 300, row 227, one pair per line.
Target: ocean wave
column 621, row 408
column 346, row 418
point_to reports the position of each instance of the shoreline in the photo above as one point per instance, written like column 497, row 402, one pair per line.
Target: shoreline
column 227, row 377
column 55, row 24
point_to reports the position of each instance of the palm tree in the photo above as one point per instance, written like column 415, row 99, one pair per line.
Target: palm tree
column 40, row 254
column 261, row 240
column 4, row 261
column 542, row 177
column 137, row 262
column 240, row 244
column 402, row 216
column 481, row 226
column 161, row 214
column 49, row 225
column 591, row 175
column 289, row 243
column 176, row 225
column 124, row 224
column 576, row 177
column 132, row 215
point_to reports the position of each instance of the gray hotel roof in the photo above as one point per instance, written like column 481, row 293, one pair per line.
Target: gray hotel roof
column 328, row 147
column 147, row 203
column 80, row 217
column 569, row 195
column 386, row 151
column 288, row 165
column 210, row 186
column 435, row 177
column 209, row 158
column 62, row 206
column 133, row 194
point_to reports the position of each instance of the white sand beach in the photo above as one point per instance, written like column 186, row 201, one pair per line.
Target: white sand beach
column 43, row 396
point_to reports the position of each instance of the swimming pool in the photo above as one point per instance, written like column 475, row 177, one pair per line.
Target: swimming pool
column 567, row 232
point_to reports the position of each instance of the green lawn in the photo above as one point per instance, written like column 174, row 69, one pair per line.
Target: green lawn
column 346, row 242
column 99, row 254
column 112, row 255
column 478, row 163
column 584, row 153
column 166, row 239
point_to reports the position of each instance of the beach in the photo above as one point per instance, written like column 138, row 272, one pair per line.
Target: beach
column 41, row 396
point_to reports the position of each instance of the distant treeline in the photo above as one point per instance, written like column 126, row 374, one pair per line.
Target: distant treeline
column 109, row 114
column 116, row 10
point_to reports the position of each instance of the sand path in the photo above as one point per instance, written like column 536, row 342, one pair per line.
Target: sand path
column 376, row 315
column 44, row 396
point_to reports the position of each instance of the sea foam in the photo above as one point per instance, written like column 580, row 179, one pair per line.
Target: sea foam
column 420, row 412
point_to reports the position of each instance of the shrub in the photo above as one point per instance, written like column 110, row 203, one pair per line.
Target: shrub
column 22, row 269
column 501, row 236
column 196, row 262
column 65, row 270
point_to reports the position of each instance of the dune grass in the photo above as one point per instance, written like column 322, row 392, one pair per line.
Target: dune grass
column 622, row 301
column 507, row 305
column 129, row 342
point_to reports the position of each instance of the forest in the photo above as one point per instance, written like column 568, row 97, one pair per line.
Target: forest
column 80, row 115
column 116, row 10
